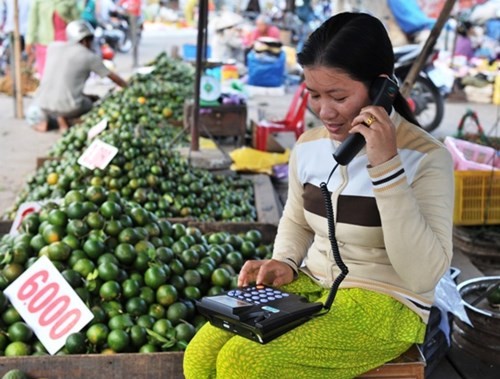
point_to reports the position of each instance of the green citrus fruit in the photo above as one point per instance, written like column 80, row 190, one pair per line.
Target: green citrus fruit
column 19, row 331
column 59, row 251
column 118, row 340
column 184, row 331
column 176, row 312
column 110, row 290
column 166, row 294
column 221, row 277
column 75, row 343
column 108, row 271
column 17, row 348
column 97, row 334
column 155, row 276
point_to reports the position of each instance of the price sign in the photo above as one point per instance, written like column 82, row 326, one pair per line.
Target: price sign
column 24, row 210
column 98, row 154
column 145, row 70
column 97, row 129
column 48, row 304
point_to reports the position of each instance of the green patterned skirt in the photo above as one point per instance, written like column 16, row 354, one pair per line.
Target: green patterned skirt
column 363, row 330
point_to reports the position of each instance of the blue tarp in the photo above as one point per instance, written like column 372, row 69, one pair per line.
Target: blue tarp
column 266, row 70
column 409, row 16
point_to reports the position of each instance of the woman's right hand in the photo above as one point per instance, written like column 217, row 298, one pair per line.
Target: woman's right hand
column 267, row 271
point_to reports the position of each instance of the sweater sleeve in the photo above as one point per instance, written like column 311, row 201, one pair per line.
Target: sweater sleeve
column 294, row 235
column 417, row 217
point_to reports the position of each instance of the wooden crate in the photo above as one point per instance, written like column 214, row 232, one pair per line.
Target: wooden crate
column 164, row 365
column 267, row 204
column 218, row 121
column 98, row 366
column 5, row 227
column 409, row 365
column 41, row 160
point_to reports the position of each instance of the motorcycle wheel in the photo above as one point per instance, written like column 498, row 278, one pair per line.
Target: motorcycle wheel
column 124, row 45
column 427, row 103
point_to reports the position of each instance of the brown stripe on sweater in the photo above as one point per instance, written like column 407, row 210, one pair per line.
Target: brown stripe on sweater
column 358, row 210
column 313, row 200
column 355, row 210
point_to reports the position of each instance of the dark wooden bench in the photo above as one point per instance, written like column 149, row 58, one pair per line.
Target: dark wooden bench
column 409, row 365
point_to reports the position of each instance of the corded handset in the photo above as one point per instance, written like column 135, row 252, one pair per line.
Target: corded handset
column 382, row 92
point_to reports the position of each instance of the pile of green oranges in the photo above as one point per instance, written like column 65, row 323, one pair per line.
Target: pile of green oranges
column 160, row 180
column 139, row 274
column 147, row 168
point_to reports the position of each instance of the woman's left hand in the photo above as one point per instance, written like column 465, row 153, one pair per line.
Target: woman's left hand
column 266, row 271
column 380, row 134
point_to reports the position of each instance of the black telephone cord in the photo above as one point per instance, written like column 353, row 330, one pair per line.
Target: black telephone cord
column 333, row 243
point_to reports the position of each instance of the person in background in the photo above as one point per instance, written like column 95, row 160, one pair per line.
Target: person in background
column 46, row 23
column 8, row 25
column 90, row 12
column 411, row 19
column 263, row 28
column 190, row 11
column 69, row 65
column 392, row 222
column 227, row 40
column 464, row 45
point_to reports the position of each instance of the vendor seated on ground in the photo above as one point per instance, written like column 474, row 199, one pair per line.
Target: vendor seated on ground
column 68, row 67
column 263, row 28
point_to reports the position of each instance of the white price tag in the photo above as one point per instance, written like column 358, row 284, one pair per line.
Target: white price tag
column 145, row 70
column 97, row 129
column 98, row 154
column 24, row 210
column 48, row 304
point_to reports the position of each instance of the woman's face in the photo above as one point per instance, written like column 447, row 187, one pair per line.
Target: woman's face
column 336, row 98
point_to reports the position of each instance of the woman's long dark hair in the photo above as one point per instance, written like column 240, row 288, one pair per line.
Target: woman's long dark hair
column 357, row 44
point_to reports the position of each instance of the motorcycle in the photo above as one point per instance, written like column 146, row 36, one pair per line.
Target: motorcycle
column 120, row 25
column 116, row 35
column 103, row 45
column 427, row 94
column 4, row 53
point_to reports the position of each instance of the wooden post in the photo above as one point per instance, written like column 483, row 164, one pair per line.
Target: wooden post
column 426, row 50
column 18, row 94
column 200, row 66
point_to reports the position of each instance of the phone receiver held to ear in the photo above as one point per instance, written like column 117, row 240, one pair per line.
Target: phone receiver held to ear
column 382, row 92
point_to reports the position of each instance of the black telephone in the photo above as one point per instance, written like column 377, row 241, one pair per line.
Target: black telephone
column 382, row 92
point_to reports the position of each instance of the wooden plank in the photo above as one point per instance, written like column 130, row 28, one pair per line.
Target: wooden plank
column 114, row 366
column 41, row 160
column 5, row 227
column 410, row 365
column 266, row 202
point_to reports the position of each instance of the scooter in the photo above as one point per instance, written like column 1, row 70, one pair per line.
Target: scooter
column 116, row 35
column 427, row 96
column 120, row 24
column 103, row 45
column 4, row 53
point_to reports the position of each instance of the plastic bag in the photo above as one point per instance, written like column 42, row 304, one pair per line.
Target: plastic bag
column 448, row 299
column 35, row 115
column 248, row 159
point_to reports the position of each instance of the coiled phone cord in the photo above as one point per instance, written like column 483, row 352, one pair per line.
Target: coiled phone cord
column 333, row 242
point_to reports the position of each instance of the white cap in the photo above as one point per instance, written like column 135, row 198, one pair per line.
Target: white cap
column 78, row 30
